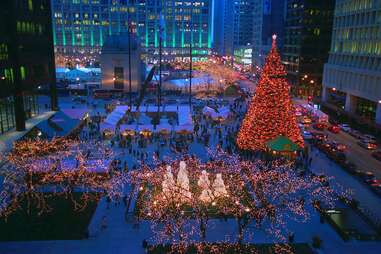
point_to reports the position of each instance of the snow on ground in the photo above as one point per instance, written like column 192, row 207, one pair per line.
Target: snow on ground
column 123, row 236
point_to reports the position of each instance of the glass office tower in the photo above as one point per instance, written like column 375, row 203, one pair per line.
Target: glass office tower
column 81, row 27
column 26, row 60
column 352, row 76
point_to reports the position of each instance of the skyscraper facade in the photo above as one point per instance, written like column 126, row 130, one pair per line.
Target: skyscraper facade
column 234, row 25
column 26, row 60
column 269, row 18
column 352, row 76
column 81, row 27
column 307, row 39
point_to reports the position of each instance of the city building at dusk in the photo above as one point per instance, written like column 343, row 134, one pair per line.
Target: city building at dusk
column 233, row 26
column 81, row 27
column 26, row 61
column 352, row 76
column 307, row 40
column 190, row 126
column 269, row 18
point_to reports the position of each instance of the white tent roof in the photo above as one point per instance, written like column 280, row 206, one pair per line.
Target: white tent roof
column 124, row 127
column 221, row 112
column 112, row 119
column 116, row 115
column 121, row 109
column 107, row 126
column 145, row 127
column 186, row 127
column 208, row 110
column 163, row 127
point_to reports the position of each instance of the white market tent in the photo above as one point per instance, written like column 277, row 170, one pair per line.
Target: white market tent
column 208, row 111
column 184, row 127
column 113, row 119
column 144, row 121
column 223, row 112
column 129, row 127
column 116, row 115
column 106, row 126
column 147, row 127
column 162, row 127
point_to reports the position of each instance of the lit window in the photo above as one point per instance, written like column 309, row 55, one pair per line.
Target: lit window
column 22, row 73
column 30, row 5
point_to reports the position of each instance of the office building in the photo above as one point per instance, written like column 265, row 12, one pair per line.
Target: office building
column 352, row 76
column 233, row 26
column 82, row 26
column 269, row 17
column 307, row 40
column 26, row 60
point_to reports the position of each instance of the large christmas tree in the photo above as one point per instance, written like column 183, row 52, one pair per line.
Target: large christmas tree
column 271, row 113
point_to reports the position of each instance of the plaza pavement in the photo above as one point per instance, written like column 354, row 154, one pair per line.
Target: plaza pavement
column 123, row 236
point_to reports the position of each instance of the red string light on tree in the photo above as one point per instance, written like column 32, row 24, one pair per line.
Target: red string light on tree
column 271, row 113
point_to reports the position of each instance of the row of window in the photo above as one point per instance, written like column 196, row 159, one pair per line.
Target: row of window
column 361, row 62
column 349, row 6
column 358, row 47
column 357, row 33
column 29, row 28
column 7, row 112
column 358, row 19
column 141, row 2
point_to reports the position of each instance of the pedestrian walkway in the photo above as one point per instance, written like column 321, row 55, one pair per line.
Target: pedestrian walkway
column 126, row 236
column 121, row 237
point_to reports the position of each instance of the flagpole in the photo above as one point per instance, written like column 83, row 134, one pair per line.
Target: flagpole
column 190, row 59
column 160, row 69
column 129, row 59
